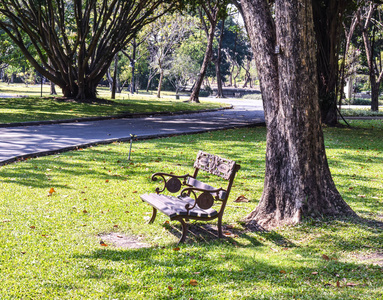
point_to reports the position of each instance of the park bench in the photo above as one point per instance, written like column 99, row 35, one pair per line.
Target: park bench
column 196, row 199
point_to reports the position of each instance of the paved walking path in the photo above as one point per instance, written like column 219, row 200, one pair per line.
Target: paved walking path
column 30, row 141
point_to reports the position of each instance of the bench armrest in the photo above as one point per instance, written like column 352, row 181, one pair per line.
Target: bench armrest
column 171, row 182
column 205, row 200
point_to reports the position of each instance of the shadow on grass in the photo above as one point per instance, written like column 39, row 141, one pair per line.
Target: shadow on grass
column 226, row 265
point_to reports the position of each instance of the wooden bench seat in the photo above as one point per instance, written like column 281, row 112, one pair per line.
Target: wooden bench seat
column 195, row 199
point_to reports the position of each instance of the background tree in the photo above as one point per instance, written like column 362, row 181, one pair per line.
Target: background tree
column 328, row 19
column 165, row 35
column 134, row 55
column 236, row 48
column 210, row 13
column 183, row 69
column 372, row 33
column 79, row 38
column 298, row 181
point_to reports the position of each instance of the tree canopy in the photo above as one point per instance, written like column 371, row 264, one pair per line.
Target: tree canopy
column 76, row 41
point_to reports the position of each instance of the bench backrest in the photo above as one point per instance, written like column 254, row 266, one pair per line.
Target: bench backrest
column 214, row 165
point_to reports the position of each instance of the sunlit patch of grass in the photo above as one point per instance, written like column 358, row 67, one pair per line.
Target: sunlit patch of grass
column 355, row 111
column 50, row 244
column 41, row 109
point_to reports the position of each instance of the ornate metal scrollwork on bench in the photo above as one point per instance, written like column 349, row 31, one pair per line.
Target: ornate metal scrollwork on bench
column 173, row 184
column 204, row 201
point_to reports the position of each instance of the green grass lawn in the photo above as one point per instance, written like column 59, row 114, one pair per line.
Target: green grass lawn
column 355, row 111
column 34, row 108
column 50, row 245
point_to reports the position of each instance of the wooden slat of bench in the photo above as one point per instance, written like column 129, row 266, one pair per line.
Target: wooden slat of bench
column 201, row 185
column 173, row 206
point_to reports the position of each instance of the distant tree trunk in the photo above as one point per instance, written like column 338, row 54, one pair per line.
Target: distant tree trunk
column 372, row 69
column 231, row 76
column 217, row 62
column 298, row 181
column 194, row 97
column 213, row 19
column 248, row 75
column 160, row 83
column 114, row 81
column 53, row 89
column 133, row 64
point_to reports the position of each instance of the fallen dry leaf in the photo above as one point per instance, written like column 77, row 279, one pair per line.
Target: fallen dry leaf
column 193, row 282
column 170, row 288
column 176, row 249
column 325, row 257
column 103, row 244
column 282, row 271
column 338, row 284
column 242, row 198
column 32, row 227
column 51, row 191
column 115, row 226
column 314, row 273
column 351, row 284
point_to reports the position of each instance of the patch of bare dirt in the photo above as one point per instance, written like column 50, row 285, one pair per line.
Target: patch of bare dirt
column 373, row 258
column 120, row 240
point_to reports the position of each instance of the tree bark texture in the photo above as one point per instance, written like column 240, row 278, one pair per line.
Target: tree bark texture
column 298, row 181
column 328, row 25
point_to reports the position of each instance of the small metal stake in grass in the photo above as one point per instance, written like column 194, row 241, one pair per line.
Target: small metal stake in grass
column 132, row 136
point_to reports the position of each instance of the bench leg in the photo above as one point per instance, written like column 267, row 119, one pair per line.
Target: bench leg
column 184, row 231
column 220, row 234
column 153, row 216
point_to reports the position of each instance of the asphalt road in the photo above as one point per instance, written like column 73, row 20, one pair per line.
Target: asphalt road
column 30, row 141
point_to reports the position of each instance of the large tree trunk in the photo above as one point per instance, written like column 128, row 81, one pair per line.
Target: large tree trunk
column 298, row 182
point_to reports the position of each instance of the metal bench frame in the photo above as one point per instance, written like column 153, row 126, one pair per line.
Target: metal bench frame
column 196, row 198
